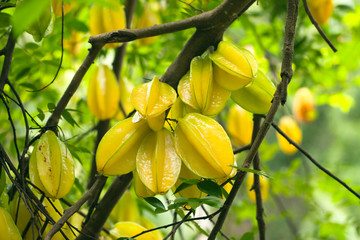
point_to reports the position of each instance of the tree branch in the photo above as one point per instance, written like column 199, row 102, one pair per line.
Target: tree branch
column 8, row 52
column 288, row 50
column 317, row 26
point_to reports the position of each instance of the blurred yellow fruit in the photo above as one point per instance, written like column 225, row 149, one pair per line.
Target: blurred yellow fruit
column 264, row 187
column 157, row 163
column 116, row 153
column 321, row 10
column 51, row 167
column 289, row 126
column 57, row 7
column 150, row 225
column 199, row 90
column 234, row 68
column 8, row 229
column 240, row 126
column 126, row 209
column 103, row 93
column 204, row 146
column 148, row 18
column 304, row 106
column 107, row 18
column 129, row 229
column 73, row 43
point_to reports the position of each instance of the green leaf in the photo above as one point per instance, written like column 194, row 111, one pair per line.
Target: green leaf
column 2, row 180
column 51, row 106
column 248, row 236
column 153, row 201
column 182, row 187
column 67, row 116
column 210, row 187
column 4, row 20
column 41, row 114
column 190, row 181
column 261, row 173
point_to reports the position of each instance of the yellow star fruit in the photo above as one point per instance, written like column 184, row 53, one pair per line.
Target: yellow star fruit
column 57, row 7
column 264, row 187
column 289, row 126
column 157, row 163
column 257, row 96
column 103, row 93
column 204, row 146
column 198, row 89
column 116, row 153
column 321, row 10
column 239, row 126
column 51, row 167
column 140, row 189
column 8, row 228
column 304, row 106
column 129, row 229
column 148, row 18
column 234, row 68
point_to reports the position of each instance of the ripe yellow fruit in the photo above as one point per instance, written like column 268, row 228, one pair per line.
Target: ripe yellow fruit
column 125, row 89
column 129, row 229
column 198, row 89
column 264, row 188
column 116, row 153
column 151, row 100
column 103, row 94
column 204, row 146
column 177, row 111
column 107, row 18
column 8, row 229
column 43, row 26
column 150, row 225
column 148, row 18
column 140, row 189
column 73, row 43
column 240, row 126
column 304, row 106
column 57, row 7
column 157, row 163
column 289, row 126
column 257, row 96
column 189, row 192
column 321, row 10
column 51, row 167
column 234, row 68
column 126, row 209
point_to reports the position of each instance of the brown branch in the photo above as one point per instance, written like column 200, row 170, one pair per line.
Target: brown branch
column 288, row 50
column 73, row 86
column 8, row 52
column 74, row 208
column 94, row 225
column 317, row 164
column 259, row 202
column 244, row 148
column 317, row 26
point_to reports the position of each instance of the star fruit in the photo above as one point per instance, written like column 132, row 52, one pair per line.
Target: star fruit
column 157, row 163
column 198, row 89
column 304, row 106
column 257, row 96
column 204, row 146
column 103, row 94
column 239, row 126
column 234, row 68
column 129, row 229
column 8, row 228
column 151, row 100
column 107, row 18
column 289, row 126
column 116, row 153
column 51, row 166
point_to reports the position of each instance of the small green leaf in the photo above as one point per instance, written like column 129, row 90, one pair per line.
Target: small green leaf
column 153, row 201
column 4, row 20
column 2, row 180
column 41, row 114
column 67, row 116
column 51, row 106
column 248, row 236
column 190, row 181
column 210, row 187
column 261, row 173
column 182, row 187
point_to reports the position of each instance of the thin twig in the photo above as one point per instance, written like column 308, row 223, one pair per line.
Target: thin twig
column 317, row 26
column 317, row 164
column 288, row 52
column 212, row 221
column 244, row 148
column 8, row 53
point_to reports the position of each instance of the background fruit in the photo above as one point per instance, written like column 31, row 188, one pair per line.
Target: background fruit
column 292, row 130
column 239, row 126
column 148, row 18
column 103, row 93
column 321, row 10
column 264, row 187
column 57, row 7
column 304, row 106
column 8, row 229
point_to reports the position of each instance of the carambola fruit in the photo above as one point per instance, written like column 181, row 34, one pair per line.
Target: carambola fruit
column 304, row 106
column 257, row 96
column 130, row 229
column 264, row 187
column 116, row 153
column 8, row 229
column 239, row 126
column 321, row 10
column 198, row 89
column 148, row 18
column 57, row 7
column 234, row 68
column 51, row 167
column 204, row 146
column 157, row 163
column 103, row 93
column 107, row 18
column 289, row 126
